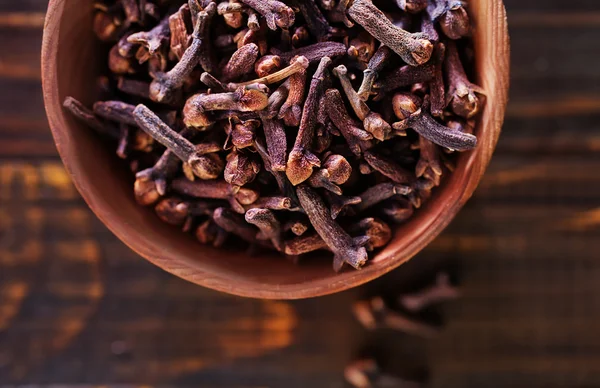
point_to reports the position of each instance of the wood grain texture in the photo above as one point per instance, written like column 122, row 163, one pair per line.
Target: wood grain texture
column 79, row 309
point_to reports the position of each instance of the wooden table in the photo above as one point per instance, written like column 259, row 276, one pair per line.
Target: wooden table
column 77, row 307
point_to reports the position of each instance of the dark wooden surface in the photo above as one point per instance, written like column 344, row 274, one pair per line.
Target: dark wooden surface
column 78, row 308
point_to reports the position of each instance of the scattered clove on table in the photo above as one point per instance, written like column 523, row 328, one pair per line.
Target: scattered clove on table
column 367, row 373
column 378, row 313
column 293, row 125
column 406, row 314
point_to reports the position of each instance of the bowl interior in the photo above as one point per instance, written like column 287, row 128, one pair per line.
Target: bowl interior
column 71, row 60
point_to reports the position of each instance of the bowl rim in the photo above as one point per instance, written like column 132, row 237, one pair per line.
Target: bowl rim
column 475, row 165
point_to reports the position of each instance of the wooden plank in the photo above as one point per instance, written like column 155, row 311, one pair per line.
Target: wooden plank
column 25, row 98
column 542, row 178
column 33, row 20
column 553, row 19
column 24, row 6
column 552, row 52
column 572, row 135
column 21, row 58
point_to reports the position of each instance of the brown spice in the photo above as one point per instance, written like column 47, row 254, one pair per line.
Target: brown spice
column 233, row 129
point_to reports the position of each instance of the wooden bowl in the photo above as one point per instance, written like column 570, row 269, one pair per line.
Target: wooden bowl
column 70, row 62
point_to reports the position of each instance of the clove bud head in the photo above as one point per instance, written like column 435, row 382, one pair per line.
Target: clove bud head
column 379, row 232
column 405, row 105
column 194, row 118
column 412, row 6
column 377, row 126
column 422, row 50
column 206, row 167
column 455, row 22
column 172, row 210
column 300, row 164
column 145, row 192
column 162, row 90
column 240, row 169
column 252, row 100
column 464, row 101
column 266, row 65
column 336, row 170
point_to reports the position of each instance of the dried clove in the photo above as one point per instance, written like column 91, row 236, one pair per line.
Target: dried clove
column 376, row 64
column 316, row 23
column 373, row 122
column 389, row 168
column 412, row 6
column 209, row 232
column 304, row 244
column 398, row 210
column 123, row 147
column 119, row 64
column 241, row 62
column 266, row 65
column 291, row 111
column 197, row 157
column 436, row 86
column 297, row 225
column 378, row 232
column 153, row 43
column 365, row 373
column 452, row 17
column 180, row 31
column 165, row 85
column 441, row 291
column 358, row 139
column 345, row 248
column 133, row 13
column 270, row 227
column 276, row 142
column 462, row 94
column 341, row 204
column 234, row 224
column 429, row 165
column 404, row 76
column 108, row 23
column 378, row 193
column 232, row 13
column 243, row 100
column 275, row 12
column 134, row 87
column 298, row 64
column 414, row 49
column 338, row 13
column 301, row 160
column 216, row 189
column 165, row 168
column 242, row 134
column 273, row 203
column 335, row 171
column 374, row 314
column 115, row 111
column 422, row 122
column 240, row 169
column 315, row 52
column 215, row 86
column 86, row 116
column 145, row 192
column 173, row 211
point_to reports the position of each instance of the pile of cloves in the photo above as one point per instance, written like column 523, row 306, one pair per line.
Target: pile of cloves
column 295, row 125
